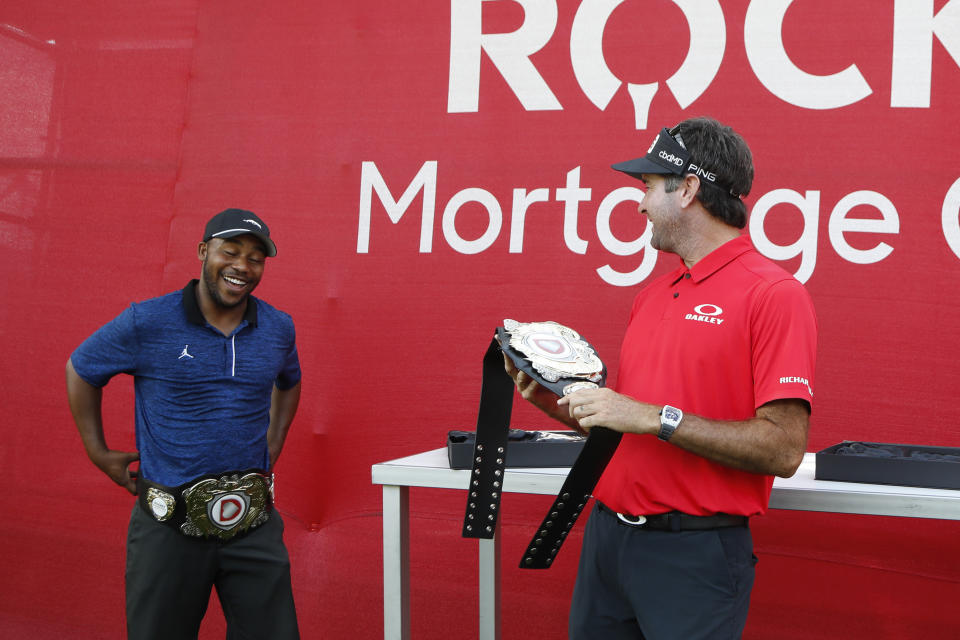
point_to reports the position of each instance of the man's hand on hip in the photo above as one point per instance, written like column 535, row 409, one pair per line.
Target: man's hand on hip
column 116, row 464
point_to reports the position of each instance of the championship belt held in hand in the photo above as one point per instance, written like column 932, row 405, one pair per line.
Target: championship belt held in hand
column 557, row 358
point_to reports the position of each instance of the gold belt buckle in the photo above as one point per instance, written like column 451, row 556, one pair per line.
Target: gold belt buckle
column 226, row 506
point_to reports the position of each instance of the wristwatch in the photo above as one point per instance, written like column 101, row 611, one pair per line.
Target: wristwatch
column 670, row 418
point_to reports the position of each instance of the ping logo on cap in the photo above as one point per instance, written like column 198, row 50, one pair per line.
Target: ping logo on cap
column 668, row 155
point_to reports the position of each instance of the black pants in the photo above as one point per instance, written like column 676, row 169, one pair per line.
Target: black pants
column 639, row 584
column 169, row 577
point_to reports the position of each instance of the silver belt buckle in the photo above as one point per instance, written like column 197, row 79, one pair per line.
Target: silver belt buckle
column 556, row 352
column 226, row 506
column 161, row 504
column 634, row 521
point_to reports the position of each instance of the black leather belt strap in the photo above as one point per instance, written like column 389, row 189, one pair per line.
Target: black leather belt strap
column 490, row 450
column 573, row 496
column 486, row 478
column 677, row 521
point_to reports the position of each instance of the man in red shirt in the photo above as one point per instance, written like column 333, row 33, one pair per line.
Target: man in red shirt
column 713, row 396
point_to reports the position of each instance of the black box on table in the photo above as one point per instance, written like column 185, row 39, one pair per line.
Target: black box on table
column 886, row 463
column 524, row 448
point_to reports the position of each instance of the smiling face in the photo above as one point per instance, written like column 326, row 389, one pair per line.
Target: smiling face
column 232, row 268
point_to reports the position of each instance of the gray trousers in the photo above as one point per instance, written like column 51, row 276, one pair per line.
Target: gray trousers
column 170, row 575
column 637, row 584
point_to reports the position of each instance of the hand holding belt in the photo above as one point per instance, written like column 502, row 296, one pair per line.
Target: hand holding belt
column 558, row 359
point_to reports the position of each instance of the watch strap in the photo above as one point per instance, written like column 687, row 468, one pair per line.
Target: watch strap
column 669, row 425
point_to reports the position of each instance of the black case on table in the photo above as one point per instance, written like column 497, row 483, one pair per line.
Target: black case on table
column 525, row 448
column 904, row 464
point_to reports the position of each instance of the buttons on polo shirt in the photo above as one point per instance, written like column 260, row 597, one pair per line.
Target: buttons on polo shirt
column 686, row 276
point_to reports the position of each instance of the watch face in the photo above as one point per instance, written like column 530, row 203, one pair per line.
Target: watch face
column 671, row 414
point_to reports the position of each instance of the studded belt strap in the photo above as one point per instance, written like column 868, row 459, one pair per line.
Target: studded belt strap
column 573, row 496
column 559, row 346
column 490, row 450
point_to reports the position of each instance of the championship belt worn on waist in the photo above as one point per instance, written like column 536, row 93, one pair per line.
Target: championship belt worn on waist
column 560, row 360
column 222, row 505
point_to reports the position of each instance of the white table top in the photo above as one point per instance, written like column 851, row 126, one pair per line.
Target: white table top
column 801, row 492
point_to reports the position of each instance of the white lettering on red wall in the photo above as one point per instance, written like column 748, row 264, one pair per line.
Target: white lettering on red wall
column 950, row 218
column 914, row 28
column 572, row 195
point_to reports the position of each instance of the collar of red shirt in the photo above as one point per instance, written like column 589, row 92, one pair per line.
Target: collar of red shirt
column 718, row 258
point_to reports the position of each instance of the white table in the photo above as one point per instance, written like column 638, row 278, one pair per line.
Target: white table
column 431, row 469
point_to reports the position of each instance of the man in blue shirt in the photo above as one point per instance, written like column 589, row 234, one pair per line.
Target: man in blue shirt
column 217, row 384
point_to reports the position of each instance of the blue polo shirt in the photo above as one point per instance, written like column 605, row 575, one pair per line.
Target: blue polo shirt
column 202, row 398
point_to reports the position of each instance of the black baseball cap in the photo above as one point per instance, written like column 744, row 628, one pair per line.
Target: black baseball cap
column 668, row 155
column 237, row 222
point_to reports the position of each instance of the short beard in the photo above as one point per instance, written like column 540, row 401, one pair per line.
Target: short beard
column 210, row 282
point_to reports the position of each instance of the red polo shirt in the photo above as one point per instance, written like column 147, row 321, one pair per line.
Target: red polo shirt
column 718, row 340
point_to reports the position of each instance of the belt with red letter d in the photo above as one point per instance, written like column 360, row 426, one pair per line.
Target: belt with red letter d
column 220, row 506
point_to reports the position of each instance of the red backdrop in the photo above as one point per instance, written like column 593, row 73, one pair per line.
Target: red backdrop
column 429, row 169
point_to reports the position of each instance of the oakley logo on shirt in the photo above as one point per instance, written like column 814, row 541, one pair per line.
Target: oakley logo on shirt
column 709, row 313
